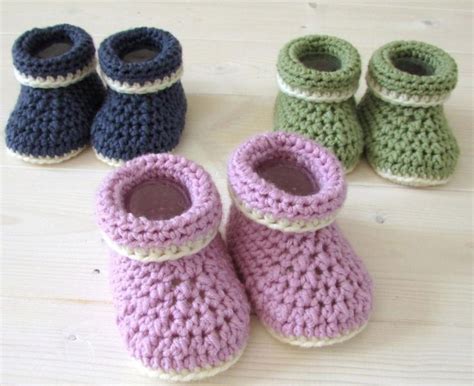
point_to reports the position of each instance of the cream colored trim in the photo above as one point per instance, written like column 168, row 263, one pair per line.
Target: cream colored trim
column 405, row 99
column 109, row 161
column 410, row 181
column 58, row 81
column 148, row 87
column 187, row 375
column 305, row 342
column 159, row 255
column 283, row 225
column 313, row 96
column 45, row 160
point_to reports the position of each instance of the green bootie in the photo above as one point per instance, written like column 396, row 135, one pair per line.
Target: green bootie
column 317, row 77
column 408, row 140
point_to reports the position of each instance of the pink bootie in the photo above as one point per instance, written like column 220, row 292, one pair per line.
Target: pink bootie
column 307, row 285
column 180, row 308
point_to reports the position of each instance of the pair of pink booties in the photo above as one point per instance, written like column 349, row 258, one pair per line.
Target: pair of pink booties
column 181, row 308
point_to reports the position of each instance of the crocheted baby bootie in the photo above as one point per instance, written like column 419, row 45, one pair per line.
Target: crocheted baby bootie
column 306, row 284
column 145, row 108
column 408, row 140
column 180, row 307
column 60, row 94
column 317, row 77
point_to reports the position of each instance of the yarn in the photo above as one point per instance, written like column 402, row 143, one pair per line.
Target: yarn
column 316, row 100
column 167, row 60
column 308, row 288
column 144, row 111
column 124, row 229
column 58, row 99
column 253, row 194
column 26, row 47
column 408, row 139
column 186, row 317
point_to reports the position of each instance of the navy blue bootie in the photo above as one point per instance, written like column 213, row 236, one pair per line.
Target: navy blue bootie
column 145, row 107
column 59, row 97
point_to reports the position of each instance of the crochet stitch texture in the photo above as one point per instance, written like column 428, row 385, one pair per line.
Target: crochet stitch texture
column 183, row 317
column 308, row 287
column 145, row 108
column 408, row 139
column 59, row 95
column 319, row 103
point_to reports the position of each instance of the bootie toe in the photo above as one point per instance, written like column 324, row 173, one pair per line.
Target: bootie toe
column 59, row 97
column 318, row 77
column 306, row 283
column 408, row 139
column 181, row 310
column 145, row 108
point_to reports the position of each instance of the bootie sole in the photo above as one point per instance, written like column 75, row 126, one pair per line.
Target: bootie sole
column 410, row 181
column 305, row 342
column 45, row 160
column 109, row 161
column 187, row 375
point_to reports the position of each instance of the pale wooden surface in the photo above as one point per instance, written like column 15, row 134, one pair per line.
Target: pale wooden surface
column 57, row 318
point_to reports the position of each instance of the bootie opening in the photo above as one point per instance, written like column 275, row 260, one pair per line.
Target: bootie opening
column 157, row 199
column 158, row 207
column 139, row 57
column 414, row 60
column 286, row 182
column 288, row 176
column 321, row 61
column 59, row 51
column 53, row 48
column 325, row 66
column 413, row 66
column 412, row 73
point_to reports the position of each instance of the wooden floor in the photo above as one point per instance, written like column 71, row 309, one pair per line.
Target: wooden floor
column 57, row 317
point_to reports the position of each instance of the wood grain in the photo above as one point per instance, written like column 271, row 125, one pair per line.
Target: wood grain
column 57, row 321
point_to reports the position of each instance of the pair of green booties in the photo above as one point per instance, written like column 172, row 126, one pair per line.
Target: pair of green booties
column 400, row 119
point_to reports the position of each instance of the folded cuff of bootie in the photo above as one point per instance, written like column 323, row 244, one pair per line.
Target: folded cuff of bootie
column 141, row 60
column 257, row 165
column 148, row 239
column 412, row 73
column 319, row 69
column 53, row 57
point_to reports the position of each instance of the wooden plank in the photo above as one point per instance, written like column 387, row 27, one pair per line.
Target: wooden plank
column 70, row 342
column 243, row 68
column 221, row 122
column 56, row 316
column 260, row 22
column 417, row 257
column 464, row 5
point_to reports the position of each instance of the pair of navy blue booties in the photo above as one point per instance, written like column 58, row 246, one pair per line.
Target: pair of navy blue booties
column 63, row 105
